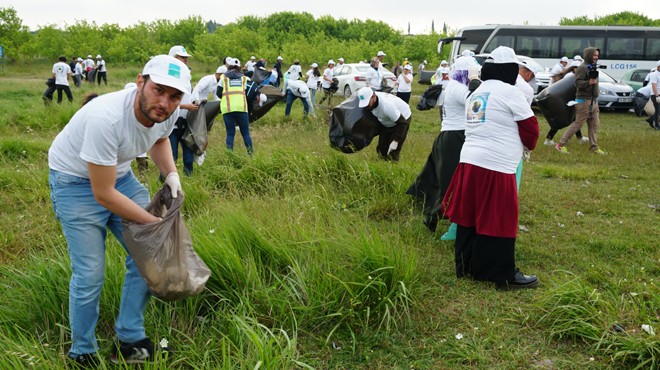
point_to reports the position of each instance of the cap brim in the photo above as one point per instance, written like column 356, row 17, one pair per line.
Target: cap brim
column 171, row 82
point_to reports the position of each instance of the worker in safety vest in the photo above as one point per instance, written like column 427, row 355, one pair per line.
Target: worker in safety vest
column 234, row 105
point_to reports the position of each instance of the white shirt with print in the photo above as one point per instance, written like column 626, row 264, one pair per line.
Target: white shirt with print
column 390, row 108
column 492, row 140
column 61, row 71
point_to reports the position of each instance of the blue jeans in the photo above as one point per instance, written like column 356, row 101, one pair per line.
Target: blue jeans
column 188, row 155
column 290, row 97
column 85, row 224
column 240, row 119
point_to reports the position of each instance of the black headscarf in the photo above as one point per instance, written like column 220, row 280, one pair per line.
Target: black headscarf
column 505, row 72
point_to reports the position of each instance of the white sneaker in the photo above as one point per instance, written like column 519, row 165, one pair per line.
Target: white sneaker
column 583, row 140
column 548, row 142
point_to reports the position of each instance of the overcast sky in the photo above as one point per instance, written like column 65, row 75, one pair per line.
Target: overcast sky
column 419, row 14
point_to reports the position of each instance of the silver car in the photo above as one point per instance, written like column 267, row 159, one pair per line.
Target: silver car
column 613, row 94
column 352, row 76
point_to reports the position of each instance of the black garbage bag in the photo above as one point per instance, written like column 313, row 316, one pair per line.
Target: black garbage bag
column 640, row 104
column 274, row 96
column 425, row 77
column 91, row 75
column 211, row 110
column 552, row 102
column 429, row 97
column 260, row 75
column 196, row 135
column 352, row 128
column 163, row 250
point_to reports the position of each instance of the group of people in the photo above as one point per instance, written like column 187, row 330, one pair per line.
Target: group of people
column 77, row 70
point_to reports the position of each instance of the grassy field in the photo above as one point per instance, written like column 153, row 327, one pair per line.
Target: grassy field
column 320, row 260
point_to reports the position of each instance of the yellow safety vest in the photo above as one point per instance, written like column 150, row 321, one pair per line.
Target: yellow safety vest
column 233, row 95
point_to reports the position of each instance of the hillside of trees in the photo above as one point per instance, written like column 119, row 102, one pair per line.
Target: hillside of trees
column 292, row 35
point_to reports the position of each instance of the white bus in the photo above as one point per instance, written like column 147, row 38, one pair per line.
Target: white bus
column 622, row 48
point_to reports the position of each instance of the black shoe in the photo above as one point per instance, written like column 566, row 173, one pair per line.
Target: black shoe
column 133, row 353
column 86, row 361
column 520, row 281
column 650, row 121
column 431, row 222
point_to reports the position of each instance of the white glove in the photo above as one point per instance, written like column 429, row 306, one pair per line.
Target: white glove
column 393, row 146
column 172, row 180
column 199, row 159
column 526, row 154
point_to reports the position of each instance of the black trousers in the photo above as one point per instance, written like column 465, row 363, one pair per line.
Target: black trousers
column 101, row 75
column 483, row 257
column 48, row 94
column 656, row 114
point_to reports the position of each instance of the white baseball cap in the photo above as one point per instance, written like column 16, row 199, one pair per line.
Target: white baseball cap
column 564, row 59
column 381, row 54
column 79, row 59
column 464, row 63
column 235, row 62
column 443, row 62
column 331, row 62
column 408, row 67
column 169, row 71
column 89, row 56
column 314, row 65
column 280, row 58
column 178, row 50
column 221, row 69
column 341, row 59
column 364, row 94
column 578, row 58
column 503, row 55
column 253, row 57
column 99, row 56
column 575, row 63
column 529, row 67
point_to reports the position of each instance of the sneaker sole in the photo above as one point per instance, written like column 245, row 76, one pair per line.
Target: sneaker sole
column 533, row 285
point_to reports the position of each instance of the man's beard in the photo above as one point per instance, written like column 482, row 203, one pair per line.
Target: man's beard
column 142, row 103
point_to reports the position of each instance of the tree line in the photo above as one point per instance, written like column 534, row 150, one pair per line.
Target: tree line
column 290, row 34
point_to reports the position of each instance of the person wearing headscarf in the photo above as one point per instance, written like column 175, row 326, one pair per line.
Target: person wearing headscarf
column 431, row 184
column 482, row 198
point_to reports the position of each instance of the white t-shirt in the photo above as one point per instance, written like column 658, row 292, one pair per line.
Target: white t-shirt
column 89, row 64
column 390, row 108
column 654, row 78
column 492, row 140
column 403, row 85
column 312, row 81
column 206, row 85
column 298, row 88
column 78, row 69
column 374, row 78
column 105, row 132
column 61, row 71
column 327, row 73
column 295, row 71
column 647, row 90
column 526, row 89
column 453, row 109
column 100, row 64
column 186, row 99
column 249, row 65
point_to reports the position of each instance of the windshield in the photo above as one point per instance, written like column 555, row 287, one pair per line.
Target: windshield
column 604, row 77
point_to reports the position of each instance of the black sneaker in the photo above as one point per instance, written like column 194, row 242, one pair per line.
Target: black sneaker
column 133, row 353
column 86, row 361
column 520, row 281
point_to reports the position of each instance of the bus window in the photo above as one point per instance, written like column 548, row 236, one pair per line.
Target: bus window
column 624, row 48
column 653, row 46
column 537, row 46
column 575, row 45
column 499, row 40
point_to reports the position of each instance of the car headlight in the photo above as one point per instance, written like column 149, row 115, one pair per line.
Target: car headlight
column 606, row 92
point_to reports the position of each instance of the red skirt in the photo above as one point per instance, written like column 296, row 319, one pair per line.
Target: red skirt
column 484, row 199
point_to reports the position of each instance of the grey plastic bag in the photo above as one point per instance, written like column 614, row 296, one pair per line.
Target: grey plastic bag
column 163, row 251
column 196, row 136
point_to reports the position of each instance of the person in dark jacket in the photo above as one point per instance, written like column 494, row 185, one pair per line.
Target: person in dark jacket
column 586, row 97
column 278, row 68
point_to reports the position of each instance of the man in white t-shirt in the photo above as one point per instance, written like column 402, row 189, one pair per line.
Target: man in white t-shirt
column 297, row 89
column 394, row 116
column 557, row 69
column 88, row 65
column 208, row 85
column 654, row 82
column 61, row 74
column 326, row 83
column 93, row 189
column 249, row 65
column 78, row 72
column 101, row 71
